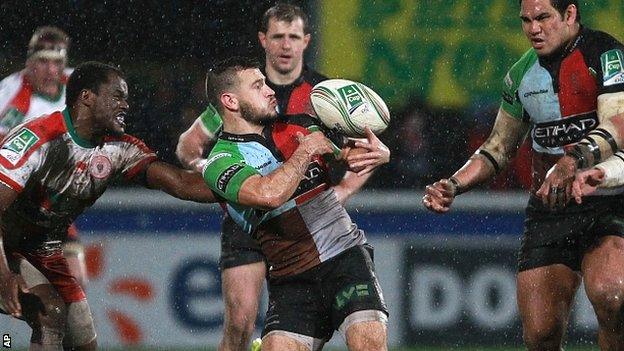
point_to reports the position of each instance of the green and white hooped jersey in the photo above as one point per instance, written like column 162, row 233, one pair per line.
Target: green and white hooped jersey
column 558, row 96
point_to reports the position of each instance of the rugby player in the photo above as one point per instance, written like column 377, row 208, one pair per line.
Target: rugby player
column 558, row 91
column 53, row 168
column 36, row 90
column 270, row 172
column 284, row 35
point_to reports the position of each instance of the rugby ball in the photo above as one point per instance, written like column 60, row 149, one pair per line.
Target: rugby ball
column 349, row 107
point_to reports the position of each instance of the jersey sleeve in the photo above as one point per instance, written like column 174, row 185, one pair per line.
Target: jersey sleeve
column 610, row 71
column 510, row 101
column 211, row 121
column 225, row 171
column 21, row 154
column 137, row 156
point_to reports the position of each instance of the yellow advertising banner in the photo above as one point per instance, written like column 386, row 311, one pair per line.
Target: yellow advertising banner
column 446, row 52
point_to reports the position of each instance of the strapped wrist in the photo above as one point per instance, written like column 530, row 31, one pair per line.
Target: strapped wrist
column 457, row 187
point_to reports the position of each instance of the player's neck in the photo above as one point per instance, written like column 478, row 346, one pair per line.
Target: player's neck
column 234, row 124
column 82, row 122
column 279, row 78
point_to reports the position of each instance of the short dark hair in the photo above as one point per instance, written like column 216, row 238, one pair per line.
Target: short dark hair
column 284, row 12
column 562, row 5
column 89, row 75
column 222, row 76
column 47, row 37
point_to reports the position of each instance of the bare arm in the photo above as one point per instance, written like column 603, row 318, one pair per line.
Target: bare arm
column 274, row 189
column 507, row 135
column 8, row 281
column 183, row 184
column 192, row 144
column 373, row 153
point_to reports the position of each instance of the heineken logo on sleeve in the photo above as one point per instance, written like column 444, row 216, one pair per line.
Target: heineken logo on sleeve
column 17, row 146
column 612, row 63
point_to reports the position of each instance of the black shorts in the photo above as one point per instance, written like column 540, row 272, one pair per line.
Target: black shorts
column 237, row 247
column 563, row 236
column 316, row 302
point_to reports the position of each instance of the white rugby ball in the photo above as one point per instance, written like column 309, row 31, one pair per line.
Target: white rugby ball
column 349, row 107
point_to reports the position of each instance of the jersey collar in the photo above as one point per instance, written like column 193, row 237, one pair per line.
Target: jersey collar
column 72, row 131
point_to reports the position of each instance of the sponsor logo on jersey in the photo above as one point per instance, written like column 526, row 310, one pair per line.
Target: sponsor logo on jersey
column 565, row 131
column 216, row 157
column 612, row 63
column 100, row 166
column 17, row 146
column 536, row 92
column 227, row 175
column 352, row 96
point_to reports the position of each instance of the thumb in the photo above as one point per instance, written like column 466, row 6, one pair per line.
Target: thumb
column 299, row 136
column 369, row 134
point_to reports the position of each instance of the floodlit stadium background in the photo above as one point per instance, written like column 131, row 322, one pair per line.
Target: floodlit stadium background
column 439, row 64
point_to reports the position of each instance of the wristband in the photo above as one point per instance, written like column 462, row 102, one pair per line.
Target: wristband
column 458, row 188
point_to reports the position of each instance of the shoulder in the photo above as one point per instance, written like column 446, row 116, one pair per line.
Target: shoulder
column 519, row 68
column 46, row 127
column 599, row 41
column 130, row 140
column 303, row 119
column 14, row 79
column 30, row 137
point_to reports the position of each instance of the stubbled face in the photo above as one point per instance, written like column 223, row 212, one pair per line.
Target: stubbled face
column 111, row 107
column 284, row 44
column 45, row 75
column 544, row 26
column 256, row 100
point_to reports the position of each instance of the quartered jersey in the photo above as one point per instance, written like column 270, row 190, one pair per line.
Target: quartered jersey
column 57, row 175
column 311, row 227
column 558, row 96
column 20, row 103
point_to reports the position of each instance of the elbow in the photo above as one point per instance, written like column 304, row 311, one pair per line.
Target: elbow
column 271, row 200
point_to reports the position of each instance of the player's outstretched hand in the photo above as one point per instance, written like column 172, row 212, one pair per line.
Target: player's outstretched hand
column 10, row 286
column 375, row 154
column 556, row 190
column 439, row 196
column 315, row 143
column 586, row 182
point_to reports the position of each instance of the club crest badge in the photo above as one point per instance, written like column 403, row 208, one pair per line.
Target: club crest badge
column 100, row 166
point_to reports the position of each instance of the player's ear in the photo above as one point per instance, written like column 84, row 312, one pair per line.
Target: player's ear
column 86, row 97
column 306, row 40
column 262, row 39
column 229, row 101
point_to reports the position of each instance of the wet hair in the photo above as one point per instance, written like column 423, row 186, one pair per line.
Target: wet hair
column 89, row 75
column 284, row 12
column 562, row 5
column 47, row 37
column 222, row 77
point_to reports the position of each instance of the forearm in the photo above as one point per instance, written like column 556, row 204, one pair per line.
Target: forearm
column 274, row 189
column 349, row 185
column 183, row 184
column 607, row 138
column 4, row 264
column 495, row 153
column 613, row 168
